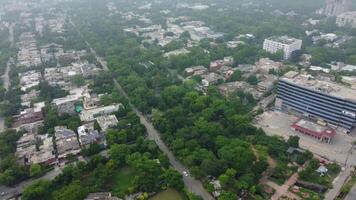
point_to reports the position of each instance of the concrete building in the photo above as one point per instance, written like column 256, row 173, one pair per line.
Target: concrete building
column 29, row 115
column 347, row 19
column 336, row 7
column 101, row 196
column 317, row 98
column 29, row 154
column 107, row 121
column 87, row 135
column 319, row 132
column 91, row 114
column 66, row 142
column 284, row 43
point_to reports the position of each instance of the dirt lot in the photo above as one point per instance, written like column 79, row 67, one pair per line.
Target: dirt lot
column 340, row 149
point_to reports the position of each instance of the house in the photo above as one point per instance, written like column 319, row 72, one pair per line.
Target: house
column 192, row 71
column 107, row 121
column 29, row 115
column 66, row 104
column 91, row 114
column 29, row 154
column 101, row 196
column 66, row 141
column 45, row 153
column 210, row 79
column 87, row 135
column 265, row 65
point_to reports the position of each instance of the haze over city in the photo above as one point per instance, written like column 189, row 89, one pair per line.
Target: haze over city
column 177, row 99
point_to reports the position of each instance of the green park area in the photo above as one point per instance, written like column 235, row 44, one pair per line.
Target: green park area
column 169, row 194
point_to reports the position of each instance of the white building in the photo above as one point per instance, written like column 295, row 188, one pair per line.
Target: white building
column 286, row 44
column 347, row 19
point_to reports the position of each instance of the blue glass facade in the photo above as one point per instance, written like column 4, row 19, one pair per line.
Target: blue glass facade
column 337, row 111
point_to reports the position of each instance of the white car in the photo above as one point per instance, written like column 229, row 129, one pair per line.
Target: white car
column 185, row 173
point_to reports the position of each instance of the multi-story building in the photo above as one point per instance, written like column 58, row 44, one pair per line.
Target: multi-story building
column 347, row 19
column 336, row 7
column 284, row 43
column 320, row 99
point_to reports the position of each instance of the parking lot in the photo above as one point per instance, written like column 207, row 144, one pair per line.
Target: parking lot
column 340, row 149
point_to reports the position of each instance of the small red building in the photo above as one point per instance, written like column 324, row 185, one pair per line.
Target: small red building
column 322, row 133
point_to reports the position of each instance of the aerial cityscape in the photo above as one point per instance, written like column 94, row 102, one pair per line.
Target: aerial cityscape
column 177, row 99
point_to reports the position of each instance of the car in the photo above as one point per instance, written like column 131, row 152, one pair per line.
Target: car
column 185, row 173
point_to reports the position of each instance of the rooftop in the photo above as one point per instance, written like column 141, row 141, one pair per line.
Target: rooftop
column 315, row 128
column 321, row 85
column 283, row 39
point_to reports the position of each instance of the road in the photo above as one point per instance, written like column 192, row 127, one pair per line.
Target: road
column 338, row 183
column 12, row 191
column 352, row 194
column 193, row 185
column 6, row 77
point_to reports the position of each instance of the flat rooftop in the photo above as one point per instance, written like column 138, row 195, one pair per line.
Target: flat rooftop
column 283, row 39
column 321, row 85
column 315, row 128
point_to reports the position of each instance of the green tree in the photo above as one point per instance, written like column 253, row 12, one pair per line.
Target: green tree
column 119, row 152
column 227, row 195
column 39, row 190
column 73, row 191
column 78, row 80
column 293, row 141
column 173, row 179
column 35, row 170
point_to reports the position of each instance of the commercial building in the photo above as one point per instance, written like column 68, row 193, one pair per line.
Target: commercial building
column 319, row 132
column 284, row 43
column 336, row 7
column 317, row 98
column 347, row 19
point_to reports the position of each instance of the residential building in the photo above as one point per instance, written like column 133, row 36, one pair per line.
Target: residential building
column 265, row 65
column 29, row 115
column 66, row 141
column 193, row 71
column 29, row 154
column 45, row 154
column 347, row 19
column 107, row 121
column 336, row 7
column 284, row 43
column 29, row 79
column 211, row 79
column 101, row 196
column 91, row 114
column 318, row 99
column 87, row 135
column 66, row 104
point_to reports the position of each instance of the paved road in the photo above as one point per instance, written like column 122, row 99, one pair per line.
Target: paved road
column 12, row 191
column 193, row 185
column 338, row 183
column 352, row 194
column 6, row 77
